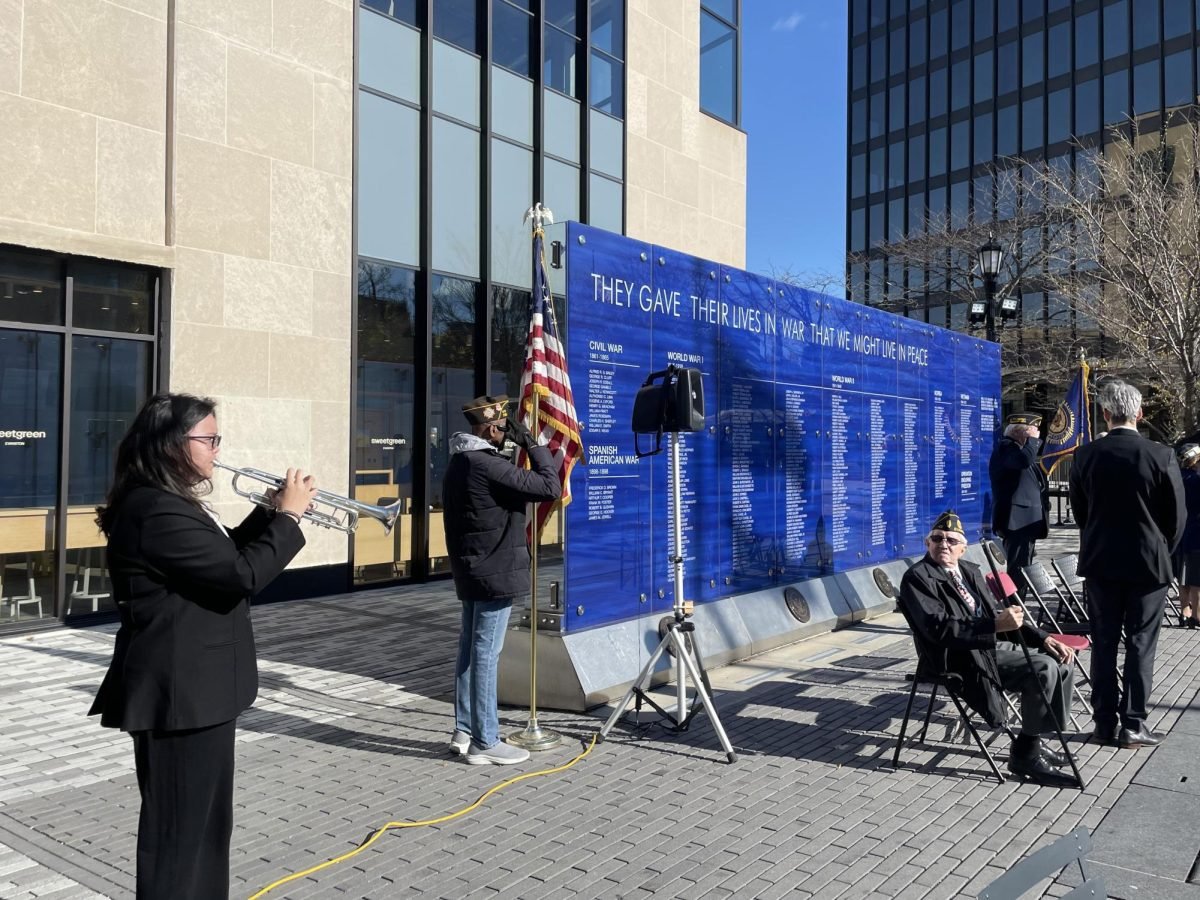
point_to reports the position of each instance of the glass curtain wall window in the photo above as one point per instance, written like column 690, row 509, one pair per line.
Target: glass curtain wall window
column 562, row 44
column 720, row 84
column 452, row 377
column 77, row 360
column 607, row 91
column 386, row 433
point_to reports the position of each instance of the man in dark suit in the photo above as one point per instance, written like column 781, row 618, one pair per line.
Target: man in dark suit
column 1127, row 496
column 1020, row 493
column 947, row 603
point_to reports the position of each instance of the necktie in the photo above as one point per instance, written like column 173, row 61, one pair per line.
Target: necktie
column 962, row 590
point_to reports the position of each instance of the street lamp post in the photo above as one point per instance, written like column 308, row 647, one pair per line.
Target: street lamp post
column 991, row 255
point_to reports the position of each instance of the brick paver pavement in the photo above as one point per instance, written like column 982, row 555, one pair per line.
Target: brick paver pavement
column 351, row 727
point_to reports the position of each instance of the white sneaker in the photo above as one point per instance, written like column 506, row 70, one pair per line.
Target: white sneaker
column 501, row 755
column 459, row 742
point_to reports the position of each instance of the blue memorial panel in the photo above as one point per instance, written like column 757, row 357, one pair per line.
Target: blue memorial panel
column 684, row 336
column 843, row 510
column 746, row 478
column 799, row 457
column 943, row 434
column 834, row 433
column 914, row 509
column 880, row 446
column 608, row 354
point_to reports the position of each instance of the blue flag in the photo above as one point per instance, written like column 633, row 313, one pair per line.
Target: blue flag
column 1071, row 427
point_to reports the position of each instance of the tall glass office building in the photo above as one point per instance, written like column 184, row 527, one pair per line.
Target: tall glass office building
column 941, row 90
column 312, row 212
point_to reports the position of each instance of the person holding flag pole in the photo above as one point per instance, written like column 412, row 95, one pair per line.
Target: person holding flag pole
column 547, row 401
column 484, row 499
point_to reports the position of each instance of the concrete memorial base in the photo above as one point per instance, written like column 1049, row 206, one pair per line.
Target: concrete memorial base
column 584, row 669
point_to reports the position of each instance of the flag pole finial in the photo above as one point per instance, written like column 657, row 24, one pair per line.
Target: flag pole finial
column 539, row 215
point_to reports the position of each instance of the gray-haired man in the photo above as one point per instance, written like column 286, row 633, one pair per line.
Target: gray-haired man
column 1127, row 496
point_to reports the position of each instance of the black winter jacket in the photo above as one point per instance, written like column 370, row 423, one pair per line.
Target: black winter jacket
column 484, row 501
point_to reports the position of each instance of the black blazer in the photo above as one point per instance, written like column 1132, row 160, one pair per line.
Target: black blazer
column 1020, row 492
column 184, row 655
column 950, row 639
column 1127, row 496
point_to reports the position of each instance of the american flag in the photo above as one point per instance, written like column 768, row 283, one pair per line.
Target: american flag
column 545, row 375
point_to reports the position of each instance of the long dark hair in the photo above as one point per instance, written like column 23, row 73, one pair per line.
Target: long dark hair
column 154, row 453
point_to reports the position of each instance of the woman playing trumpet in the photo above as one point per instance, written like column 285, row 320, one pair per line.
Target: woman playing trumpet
column 183, row 666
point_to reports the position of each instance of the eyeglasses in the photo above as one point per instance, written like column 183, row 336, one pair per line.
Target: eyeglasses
column 946, row 539
column 213, row 440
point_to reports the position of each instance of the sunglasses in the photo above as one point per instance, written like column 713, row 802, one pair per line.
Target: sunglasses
column 213, row 440
column 946, row 539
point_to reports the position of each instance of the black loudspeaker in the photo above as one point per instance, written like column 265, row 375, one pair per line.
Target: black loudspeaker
column 685, row 408
column 671, row 400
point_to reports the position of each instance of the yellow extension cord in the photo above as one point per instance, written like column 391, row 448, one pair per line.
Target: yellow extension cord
column 390, row 825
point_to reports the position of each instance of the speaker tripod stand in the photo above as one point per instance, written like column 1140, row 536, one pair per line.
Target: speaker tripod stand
column 679, row 639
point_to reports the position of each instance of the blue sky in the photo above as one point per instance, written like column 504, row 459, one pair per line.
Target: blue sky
column 794, row 112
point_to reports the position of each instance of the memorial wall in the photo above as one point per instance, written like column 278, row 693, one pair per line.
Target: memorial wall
column 835, row 433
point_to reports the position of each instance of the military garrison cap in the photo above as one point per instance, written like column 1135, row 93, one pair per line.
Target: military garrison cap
column 949, row 521
column 486, row 409
column 1032, row 419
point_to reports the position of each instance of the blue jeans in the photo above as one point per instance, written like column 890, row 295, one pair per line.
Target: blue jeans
column 482, row 636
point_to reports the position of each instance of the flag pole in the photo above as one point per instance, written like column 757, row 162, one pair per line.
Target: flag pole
column 533, row 737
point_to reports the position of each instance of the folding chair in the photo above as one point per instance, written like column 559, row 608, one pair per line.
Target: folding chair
column 929, row 670
column 1067, row 569
column 1047, row 863
column 1004, row 589
column 1173, row 601
column 1045, row 591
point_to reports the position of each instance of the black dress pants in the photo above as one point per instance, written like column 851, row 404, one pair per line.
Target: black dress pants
column 186, row 782
column 1018, row 547
column 1137, row 610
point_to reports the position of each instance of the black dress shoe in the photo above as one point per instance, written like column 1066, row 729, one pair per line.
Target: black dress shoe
column 1037, row 769
column 1142, row 737
column 1052, row 756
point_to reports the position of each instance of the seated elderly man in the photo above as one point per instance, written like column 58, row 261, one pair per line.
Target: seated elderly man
column 949, row 606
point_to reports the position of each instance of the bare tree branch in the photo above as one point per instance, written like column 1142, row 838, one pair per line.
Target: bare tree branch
column 810, row 279
column 1136, row 212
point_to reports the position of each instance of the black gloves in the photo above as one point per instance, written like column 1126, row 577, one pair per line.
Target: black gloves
column 516, row 432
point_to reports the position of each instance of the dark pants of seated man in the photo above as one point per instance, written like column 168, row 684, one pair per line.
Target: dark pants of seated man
column 1055, row 677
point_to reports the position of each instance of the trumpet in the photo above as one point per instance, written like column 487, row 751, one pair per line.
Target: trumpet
column 340, row 513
